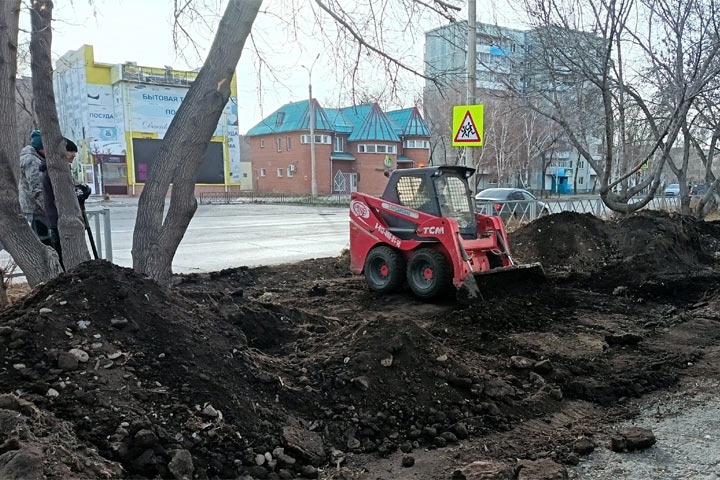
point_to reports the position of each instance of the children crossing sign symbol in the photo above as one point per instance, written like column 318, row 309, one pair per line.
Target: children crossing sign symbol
column 468, row 126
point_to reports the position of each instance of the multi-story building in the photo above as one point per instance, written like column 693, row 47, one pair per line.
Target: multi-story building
column 354, row 146
column 504, row 58
column 118, row 114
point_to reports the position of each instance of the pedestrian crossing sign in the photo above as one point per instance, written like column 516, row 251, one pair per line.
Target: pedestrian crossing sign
column 468, row 126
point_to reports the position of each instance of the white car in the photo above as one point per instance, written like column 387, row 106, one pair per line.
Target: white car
column 672, row 190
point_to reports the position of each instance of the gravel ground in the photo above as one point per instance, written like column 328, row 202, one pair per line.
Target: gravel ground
column 687, row 428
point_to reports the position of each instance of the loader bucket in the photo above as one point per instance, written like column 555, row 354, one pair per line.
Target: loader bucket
column 501, row 281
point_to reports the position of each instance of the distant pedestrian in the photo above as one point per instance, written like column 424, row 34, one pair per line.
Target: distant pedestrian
column 30, row 187
column 81, row 191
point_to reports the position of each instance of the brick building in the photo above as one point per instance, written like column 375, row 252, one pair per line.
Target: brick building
column 352, row 146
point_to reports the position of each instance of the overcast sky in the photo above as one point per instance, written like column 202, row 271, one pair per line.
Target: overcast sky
column 141, row 31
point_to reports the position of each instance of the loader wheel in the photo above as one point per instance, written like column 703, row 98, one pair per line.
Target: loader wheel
column 428, row 273
column 384, row 268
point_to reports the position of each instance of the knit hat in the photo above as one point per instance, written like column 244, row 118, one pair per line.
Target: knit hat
column 70, row 146
column 36, row 140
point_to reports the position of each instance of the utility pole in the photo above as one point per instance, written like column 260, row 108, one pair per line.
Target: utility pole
column 471, row 76
column 311, row 111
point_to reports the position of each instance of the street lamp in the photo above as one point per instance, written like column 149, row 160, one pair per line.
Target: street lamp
column 311, row 108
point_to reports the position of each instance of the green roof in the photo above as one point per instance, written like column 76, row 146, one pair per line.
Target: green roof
column 361, row 122
column 375, row 126
column 410, row 122
column 403, row 158
column 292, row 117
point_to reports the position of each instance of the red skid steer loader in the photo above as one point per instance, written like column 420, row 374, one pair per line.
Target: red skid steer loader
column 424, row 230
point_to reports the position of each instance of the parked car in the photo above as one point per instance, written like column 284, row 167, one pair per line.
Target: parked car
column 698, row 189
column 510, row 203
column 672, row 190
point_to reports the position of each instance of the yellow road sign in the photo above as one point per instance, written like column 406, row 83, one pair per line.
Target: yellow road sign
column 467, row 126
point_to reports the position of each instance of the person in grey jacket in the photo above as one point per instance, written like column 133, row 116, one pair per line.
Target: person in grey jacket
column 30, row 188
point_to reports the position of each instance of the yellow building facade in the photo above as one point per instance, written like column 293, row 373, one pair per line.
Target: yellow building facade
column 118, row 114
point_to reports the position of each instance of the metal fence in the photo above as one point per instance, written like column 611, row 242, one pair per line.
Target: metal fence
column 101, row 228
column 522, row 211
column 216, row 198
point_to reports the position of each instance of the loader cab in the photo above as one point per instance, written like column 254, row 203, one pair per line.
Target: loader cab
column 439, row 191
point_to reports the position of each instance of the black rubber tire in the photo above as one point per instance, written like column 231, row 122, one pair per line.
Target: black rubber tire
column 384, row 256
column 441, row 279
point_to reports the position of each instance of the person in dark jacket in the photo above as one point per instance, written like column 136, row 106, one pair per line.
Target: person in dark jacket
column 81, row 191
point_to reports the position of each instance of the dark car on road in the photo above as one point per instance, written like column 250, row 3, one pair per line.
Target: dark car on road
column 697, row 190
column 507, row 203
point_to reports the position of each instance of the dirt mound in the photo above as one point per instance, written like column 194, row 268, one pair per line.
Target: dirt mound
column 643, row 247
column 564, row 241
column 142, row 373
column 273, row 372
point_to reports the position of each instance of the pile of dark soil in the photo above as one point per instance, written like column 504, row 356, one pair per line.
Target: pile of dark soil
column 280, row 372
column 648, row 246
column 565, row 241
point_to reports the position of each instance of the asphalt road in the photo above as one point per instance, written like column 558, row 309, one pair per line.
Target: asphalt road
column 223, row 236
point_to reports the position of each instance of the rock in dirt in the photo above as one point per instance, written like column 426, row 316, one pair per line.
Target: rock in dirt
column 521, row 363
column 67, row 361
column 623, row 339
column 23, row 464
column 308, row 445
column 210, row 411
column 583, row 446
column 408, row 461
column 543, row 367
column 181, row 465
column 633, row 438
column 81, row 355
column 118, row 322
column 485, row 470
column 543, row 469
column 308, row 471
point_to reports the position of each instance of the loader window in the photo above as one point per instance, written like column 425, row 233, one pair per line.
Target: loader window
column 454, row 199
column 412, row 192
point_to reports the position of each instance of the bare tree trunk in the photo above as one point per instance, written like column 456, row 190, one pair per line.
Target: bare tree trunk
column 38, row 262
column 71, row 226
column 9, row 14
column 155, row 240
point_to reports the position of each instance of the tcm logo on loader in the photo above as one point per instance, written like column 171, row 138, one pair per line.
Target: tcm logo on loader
column 433, row 230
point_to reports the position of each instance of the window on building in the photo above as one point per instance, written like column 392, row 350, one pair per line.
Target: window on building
column 339, row 144
column 263, row 172
column 289, row 143
column 280, row 172
column 244, row 175
column 417, row 144
column 291, row 171
column 322, row 139
column 372, row 148
column 581, row 163
column 280, row 118
column 262, row 143
column 279, row 144
column 581, row 180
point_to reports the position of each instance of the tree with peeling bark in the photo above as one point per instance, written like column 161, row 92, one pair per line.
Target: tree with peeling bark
column 38, row 262
column 71, row 225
